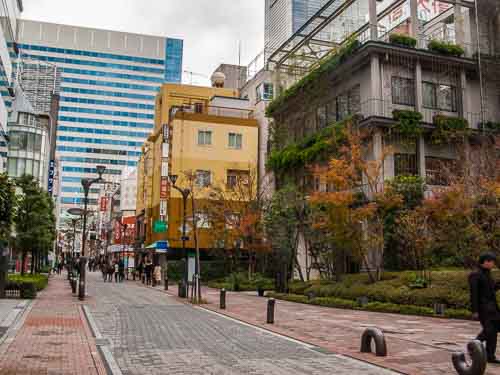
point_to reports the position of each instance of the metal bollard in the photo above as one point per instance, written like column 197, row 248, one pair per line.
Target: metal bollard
column 223, row 299
column 73, row 285
column 376, row 335
column 478, row 360
column 166, row 283
column 271, row 303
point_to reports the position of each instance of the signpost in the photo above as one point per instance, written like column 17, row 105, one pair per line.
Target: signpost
column 160, row 226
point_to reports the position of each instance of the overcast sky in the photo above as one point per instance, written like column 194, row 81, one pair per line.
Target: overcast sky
column 211, row 29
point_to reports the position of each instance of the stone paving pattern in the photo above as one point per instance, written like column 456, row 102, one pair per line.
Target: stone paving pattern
column 416, row 345
column 152, row 333
column 54, row 338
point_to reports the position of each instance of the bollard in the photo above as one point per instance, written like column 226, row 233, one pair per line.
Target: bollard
column 166, row 283
column 271, row 303
column 223, row 299
column 73, row 285
column 378, row 336
column 478, row 360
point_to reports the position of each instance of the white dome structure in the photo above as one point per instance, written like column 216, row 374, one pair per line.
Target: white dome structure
column 218, row 79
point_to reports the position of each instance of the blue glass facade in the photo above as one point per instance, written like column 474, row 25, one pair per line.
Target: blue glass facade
column 99, row 93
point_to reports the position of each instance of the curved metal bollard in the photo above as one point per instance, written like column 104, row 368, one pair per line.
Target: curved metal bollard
column 378, row 336
column 478, row 363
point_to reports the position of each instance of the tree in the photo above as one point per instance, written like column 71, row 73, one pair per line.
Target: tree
column 353, row 209
column 34, row 222
column 7, row 213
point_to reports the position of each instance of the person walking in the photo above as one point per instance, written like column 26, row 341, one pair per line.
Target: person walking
column 116, row 270
column 121, row 270
column 148, row 269
column 484, row 304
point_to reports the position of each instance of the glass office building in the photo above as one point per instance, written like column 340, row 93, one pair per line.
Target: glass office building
column 284, row 17
column 108, row 83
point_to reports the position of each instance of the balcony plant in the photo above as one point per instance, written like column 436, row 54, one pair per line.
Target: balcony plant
column 402, row 40
column 448, row 129
column 490, row 126
column 445, row 48
column 408, row 123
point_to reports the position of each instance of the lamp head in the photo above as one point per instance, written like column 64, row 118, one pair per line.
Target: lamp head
column 100, row 170
column 173, row 178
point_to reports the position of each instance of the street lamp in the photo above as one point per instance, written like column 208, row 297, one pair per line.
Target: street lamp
column 86, row 183
column 185, row 194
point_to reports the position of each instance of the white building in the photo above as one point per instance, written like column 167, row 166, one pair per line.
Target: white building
column 9, row 14
column 128, row 193
column 108, row 84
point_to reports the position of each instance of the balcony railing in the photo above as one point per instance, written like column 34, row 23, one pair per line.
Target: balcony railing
column 220, row 111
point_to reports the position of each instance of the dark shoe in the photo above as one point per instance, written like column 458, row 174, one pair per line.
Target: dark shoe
column 494, row 361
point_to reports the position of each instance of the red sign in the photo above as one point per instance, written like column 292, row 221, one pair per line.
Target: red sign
column 118, row 229
column 164, row 188
column 104, row 204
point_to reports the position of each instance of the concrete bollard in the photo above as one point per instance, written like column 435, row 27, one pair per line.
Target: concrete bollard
column 380, row 345
column 478, row 360
column 271, row 303
column 223, row 299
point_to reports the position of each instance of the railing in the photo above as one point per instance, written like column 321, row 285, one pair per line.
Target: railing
column 230, row 112
column 377, row 107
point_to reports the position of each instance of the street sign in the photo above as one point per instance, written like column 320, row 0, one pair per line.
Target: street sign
column 160, row 227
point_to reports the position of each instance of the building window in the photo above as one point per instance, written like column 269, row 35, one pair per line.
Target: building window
column 439, row 171
column 403, row 91
column 405, row 165
column 202, row 220
column 441, row 97
column 235, row 141
column 203, row 178
column 264, row 91
column 237, row 178
column 322, row 116
column 204, row 137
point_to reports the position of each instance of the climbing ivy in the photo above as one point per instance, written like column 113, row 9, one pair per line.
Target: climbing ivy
column 448, row 129
column 309, row 82
column 408, row 123
column 312, row 149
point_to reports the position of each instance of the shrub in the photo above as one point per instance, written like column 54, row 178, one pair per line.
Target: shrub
column 402, row 40
column 445, row 48
column 448, row 128
column 491, row 126
column 39, row 281
column 408, row 123
column 458, row 314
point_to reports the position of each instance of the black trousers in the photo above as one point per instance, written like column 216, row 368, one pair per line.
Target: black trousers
column 490, row 334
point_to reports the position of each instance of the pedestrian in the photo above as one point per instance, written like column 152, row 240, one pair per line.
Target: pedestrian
column 157, row 275
column 148, row 269
column 484, row 304
column 121, row 270
column 111, row 271
column 116, row 271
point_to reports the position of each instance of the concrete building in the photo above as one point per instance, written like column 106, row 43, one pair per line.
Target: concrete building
column 108, row 81
column 10, row 11
column 208, row 138
column 378, row 77
column 235, row 75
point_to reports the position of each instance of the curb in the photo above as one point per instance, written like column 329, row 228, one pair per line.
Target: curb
column 102, row 345
column 15, row 321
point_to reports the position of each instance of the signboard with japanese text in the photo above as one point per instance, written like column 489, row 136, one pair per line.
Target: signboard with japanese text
column 52, row 169
column 104, row 204
column 164, row 188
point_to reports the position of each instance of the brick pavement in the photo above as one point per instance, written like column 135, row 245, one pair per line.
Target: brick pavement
column 416, row 345
column 54, row 338
column 151, row 333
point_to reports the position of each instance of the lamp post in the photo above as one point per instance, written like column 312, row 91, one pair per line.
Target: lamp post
column 185, row 195
column 123, row 227
column 86, row 183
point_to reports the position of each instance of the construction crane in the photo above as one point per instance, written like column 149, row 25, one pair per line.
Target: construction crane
column 191, row 74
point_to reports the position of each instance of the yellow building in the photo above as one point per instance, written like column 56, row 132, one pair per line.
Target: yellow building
column 205, row 133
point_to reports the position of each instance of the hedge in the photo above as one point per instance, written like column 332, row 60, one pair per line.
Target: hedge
column 402, row 40
column 391, row 308
column 27, row 285
column 239, row 282
column 210, row 270
column 445, row 48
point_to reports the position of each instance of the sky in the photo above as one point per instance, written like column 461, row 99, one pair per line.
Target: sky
column 211, row 29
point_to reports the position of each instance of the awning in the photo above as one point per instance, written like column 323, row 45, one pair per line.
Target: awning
column 159, row 246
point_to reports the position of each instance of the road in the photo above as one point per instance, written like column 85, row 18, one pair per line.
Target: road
column 149, row 332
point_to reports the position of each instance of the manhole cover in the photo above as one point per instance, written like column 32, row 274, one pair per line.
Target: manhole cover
column 55, row 343
column 32, row 356
column 44, row 333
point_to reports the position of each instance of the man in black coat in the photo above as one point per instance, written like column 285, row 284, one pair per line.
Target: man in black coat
column 484, row 303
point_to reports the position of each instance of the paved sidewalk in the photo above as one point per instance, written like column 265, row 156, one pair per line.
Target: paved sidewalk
column 416, row 345
column 53, row 339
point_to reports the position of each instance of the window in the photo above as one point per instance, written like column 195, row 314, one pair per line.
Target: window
column 236, row 177
column 202, row 220
column 232, row 220
column 204, row 137
column 439, row 171
column 321, row 116
column 202, row 178
column 442, row 97
column 264, row 91
column 405, row 165
column 403, row 91
column 235, row 140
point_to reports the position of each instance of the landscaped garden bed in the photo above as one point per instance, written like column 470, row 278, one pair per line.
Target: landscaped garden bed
column 398, row 292
column 26, row 286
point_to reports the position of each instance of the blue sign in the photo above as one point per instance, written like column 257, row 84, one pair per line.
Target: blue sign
column 52, row 167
